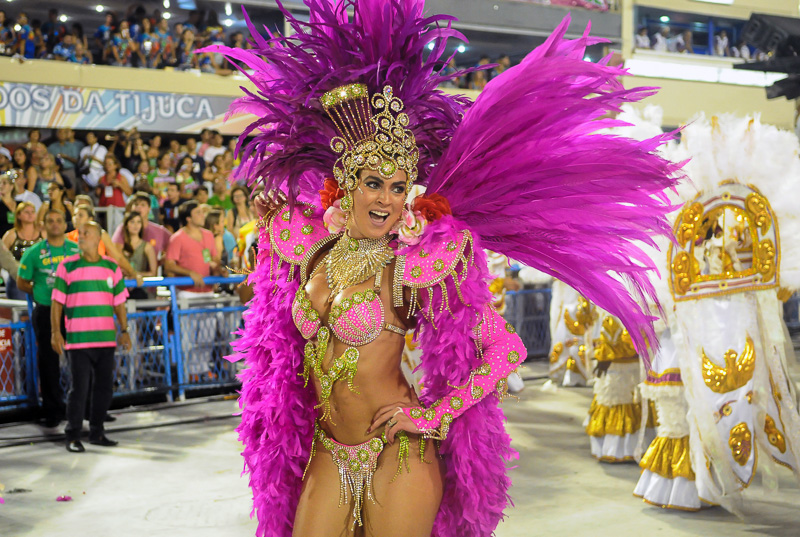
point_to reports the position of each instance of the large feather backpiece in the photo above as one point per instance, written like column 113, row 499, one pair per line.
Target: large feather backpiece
column 528, row 172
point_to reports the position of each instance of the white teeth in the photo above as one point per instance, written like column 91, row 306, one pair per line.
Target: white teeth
column 379, row 213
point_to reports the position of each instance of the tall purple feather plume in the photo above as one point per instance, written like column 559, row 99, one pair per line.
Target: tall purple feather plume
column 384, row 42
column 528, row 173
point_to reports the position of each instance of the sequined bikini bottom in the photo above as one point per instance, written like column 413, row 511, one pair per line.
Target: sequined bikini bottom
column 357, row 465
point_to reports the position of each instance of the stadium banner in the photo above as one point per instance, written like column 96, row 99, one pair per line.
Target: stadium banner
column 45, row 106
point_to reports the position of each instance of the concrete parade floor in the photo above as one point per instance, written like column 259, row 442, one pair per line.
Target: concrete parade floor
column 176, row 474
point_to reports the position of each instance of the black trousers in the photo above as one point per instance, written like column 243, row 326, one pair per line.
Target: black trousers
column 53, row 407
column 85, row 363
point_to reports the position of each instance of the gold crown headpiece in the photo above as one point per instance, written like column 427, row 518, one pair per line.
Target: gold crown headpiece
column 378, row 141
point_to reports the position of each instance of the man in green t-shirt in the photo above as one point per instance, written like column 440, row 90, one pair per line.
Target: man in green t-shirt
column 221, row 197
column 36, row 276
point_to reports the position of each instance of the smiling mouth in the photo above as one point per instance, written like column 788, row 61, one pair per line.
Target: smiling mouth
column 378, row 217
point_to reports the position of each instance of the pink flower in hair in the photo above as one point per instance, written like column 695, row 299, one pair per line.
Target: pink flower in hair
column 334, row 217
column 412, row 226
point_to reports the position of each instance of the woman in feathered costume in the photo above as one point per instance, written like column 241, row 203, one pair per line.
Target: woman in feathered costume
column 329, row 423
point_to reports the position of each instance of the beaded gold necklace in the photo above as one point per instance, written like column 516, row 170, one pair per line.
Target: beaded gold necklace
column 351, row 261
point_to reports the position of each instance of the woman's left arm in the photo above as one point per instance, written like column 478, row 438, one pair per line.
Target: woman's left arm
column 502, row 351
column 152, row 262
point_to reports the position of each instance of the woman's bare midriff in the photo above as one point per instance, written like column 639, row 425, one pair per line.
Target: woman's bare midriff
column 379, row 380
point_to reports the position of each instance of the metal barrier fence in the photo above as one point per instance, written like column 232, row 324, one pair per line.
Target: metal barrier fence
column 529, row 311
column 178, row 344
column 18, row 375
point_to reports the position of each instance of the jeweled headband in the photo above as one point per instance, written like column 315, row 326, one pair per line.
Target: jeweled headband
column 373, row 137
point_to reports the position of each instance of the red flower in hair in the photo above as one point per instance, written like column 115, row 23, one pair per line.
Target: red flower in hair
column 330, row 192
column 432, row 206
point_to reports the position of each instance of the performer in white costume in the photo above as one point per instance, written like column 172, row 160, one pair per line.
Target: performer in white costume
column 726, row 405
column 572, row 320
column 615, row 416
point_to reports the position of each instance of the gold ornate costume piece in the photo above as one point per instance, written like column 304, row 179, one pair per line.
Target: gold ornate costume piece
column 352, row 261
column 373, row 134
column 741, row 443
column 774, row 435
column 727, row 241
column 357, row 465
column 737, row 371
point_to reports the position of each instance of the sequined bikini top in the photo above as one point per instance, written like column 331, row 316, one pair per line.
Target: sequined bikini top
column 356, row 321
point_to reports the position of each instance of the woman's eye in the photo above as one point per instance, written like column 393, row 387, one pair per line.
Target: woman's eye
column 399, row 190
column 373, row 185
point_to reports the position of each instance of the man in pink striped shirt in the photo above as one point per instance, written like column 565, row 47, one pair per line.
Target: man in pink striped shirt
column 90, row 290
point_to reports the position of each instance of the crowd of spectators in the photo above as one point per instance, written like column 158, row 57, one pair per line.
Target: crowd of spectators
column 147, row 40
column 139, row 39
column 476, row 80
column 143, row 191
column 665, row 40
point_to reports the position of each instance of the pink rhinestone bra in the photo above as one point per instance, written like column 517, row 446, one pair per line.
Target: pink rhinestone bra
column 356, row 321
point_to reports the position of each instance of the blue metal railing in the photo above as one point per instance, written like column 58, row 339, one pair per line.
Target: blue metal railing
column 529, row 311
column 156, row 351
column 161, row 358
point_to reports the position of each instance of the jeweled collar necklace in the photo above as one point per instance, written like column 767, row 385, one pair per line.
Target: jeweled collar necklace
column 352, row 261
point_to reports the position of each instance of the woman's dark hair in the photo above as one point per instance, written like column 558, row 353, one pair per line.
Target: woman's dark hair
column 58, row 186
column 24, row 152
column 77, row 30
column 242, row 189
column 127, row 248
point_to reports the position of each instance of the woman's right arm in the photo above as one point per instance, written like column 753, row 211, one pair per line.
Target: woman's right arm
column 152, row 263
column 9, row 238
column 42, row 211
column 32, row 175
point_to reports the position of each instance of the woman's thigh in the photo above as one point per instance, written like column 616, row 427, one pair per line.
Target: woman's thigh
column 407, row 506
column 318, row 511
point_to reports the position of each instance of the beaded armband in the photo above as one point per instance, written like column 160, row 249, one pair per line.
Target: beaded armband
column 502, row 351
column 292, row 233
column 426, row 268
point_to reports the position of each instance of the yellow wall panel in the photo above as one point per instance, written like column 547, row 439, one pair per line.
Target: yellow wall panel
column 120, row 78
column 681, row 100
column 740, row 9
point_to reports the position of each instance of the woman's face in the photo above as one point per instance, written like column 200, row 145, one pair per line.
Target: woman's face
column 239, row 198
column 80, row 217
column 156, row 141
column 377, row 204
column 54, row 192
column 109, row 165
column 143, row 167
column 20, row 157
column 5, row 186
column 174, row 146
column 34, row 136
column 48, row 162
column 135, row 225
column 27, row 215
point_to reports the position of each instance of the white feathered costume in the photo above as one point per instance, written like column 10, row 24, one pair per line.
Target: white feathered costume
column 725, row 403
